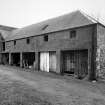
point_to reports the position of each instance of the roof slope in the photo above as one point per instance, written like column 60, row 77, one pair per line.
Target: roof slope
column 71, row 20
column 6, row 30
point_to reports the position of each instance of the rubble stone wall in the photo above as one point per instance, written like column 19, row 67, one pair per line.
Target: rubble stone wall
column 100, row 54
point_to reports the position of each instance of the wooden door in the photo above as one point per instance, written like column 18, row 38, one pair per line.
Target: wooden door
column 44, row 61
column 52, row 61
column 81, row 63
column 69, row 62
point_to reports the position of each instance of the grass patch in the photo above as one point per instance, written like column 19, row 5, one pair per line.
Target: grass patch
column 18, row 93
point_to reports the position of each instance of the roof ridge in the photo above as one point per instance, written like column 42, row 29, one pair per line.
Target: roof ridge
column 93, row 18
column 8, row 26
column 88, row 16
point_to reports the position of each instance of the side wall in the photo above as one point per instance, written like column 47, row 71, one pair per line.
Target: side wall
column 56, row 41
column 100, row 51
column 21, row 46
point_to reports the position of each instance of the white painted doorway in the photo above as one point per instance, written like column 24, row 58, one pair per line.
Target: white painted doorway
column 44, row 61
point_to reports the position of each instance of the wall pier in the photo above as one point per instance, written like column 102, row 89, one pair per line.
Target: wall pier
column 58, row 55
column 36, row 63
column 10, row 59
column 21, row 59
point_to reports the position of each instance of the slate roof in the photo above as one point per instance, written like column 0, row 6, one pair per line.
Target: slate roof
column 71, row 20
column 6, row 30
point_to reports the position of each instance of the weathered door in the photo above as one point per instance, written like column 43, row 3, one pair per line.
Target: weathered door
column 44, row 61
column 69, row 62
column 83, row 63
column 52, row 61
column 76, row 62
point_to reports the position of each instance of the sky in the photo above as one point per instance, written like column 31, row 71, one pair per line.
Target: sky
column 20, row 13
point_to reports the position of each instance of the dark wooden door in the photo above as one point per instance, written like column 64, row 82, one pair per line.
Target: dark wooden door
column 76, row 62
column 69, row 62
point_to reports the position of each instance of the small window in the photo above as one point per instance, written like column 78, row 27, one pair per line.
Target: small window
column 14, row 42
column 3, row 46
column 46, row 38
column 28, row 41
column 72, row 34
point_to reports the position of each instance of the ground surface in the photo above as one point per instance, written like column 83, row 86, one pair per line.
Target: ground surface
column 19, row 87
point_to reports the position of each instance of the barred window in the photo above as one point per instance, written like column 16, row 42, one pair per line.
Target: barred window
column 14, row 42
column 28, row 40
column 72, row 34
column 45, row 38
column 3, row 46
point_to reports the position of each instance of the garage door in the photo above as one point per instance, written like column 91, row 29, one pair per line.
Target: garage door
column 76, row 62
column 48, row 61
column 44, row 61
column 69, row 62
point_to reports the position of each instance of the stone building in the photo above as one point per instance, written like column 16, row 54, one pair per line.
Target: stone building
column 70, row 44
column 4, row 32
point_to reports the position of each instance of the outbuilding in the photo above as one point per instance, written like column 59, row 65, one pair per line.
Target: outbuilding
column 71, row 44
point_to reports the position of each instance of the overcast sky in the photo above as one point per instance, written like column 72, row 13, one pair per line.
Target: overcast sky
column 20, row 13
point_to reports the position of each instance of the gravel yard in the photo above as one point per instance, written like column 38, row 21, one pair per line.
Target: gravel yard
column 19, row 87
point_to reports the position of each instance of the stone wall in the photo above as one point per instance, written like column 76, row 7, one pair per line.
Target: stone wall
column 56, row 40
column 100, row 59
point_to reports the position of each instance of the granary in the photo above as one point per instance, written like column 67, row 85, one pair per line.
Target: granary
column 70, row 44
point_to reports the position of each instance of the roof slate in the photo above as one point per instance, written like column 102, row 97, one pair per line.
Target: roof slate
column 71, row 20
column 6, row 30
